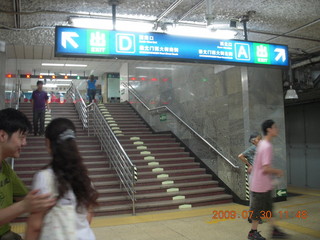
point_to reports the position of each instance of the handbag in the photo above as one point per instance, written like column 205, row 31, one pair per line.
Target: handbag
column 60, row 221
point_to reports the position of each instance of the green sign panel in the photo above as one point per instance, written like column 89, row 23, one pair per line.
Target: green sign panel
column 281, row 192
column 97, row 42
column 163, row 117
column 262, row 55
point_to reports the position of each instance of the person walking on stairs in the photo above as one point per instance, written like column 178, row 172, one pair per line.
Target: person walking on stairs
column 39, row 100
column 91, row 88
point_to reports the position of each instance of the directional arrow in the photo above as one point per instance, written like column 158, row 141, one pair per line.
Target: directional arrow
column 68, row 37
column 281, row 192
column 281, row 54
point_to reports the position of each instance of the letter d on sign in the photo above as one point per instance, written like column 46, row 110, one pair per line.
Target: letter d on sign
column 125, row 43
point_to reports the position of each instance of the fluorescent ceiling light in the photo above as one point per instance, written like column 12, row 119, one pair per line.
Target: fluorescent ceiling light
column 147, row 68
column 202, row 32
column 53, row 64
column 98, row 23
column 157, row 68
column 50, row 85
column 47, row 74
column 134, row 26
column 107, row 24
column 64, row 80
column 68, row 74
column 75, row 65
column 224, row 34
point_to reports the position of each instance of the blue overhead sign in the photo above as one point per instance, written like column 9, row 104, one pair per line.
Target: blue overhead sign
column 103, row 43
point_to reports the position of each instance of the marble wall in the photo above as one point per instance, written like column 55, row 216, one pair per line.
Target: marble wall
column 266, row 101
column 211, row 100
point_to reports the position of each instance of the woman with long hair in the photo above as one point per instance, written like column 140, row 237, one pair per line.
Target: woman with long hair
column 66, row 178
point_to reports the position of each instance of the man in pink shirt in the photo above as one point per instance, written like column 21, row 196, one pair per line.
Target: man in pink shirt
column 261, row 183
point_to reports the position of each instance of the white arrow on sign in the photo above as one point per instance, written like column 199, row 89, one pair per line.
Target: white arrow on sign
column 281, row 193
column 68, row 37
column 281, row 54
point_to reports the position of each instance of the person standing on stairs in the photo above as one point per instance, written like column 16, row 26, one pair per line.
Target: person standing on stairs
column 39, row 100
column 67, row 178
column 91, row 83
column 247, row 157
column 14, row 197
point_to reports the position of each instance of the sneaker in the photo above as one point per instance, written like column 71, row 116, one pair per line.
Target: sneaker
column 255, row 236
column 276, row 233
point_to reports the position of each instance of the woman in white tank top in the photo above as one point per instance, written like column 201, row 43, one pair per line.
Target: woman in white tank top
column 66, row 178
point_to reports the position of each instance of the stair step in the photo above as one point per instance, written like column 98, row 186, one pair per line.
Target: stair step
column 143, row 197
column 155, row 150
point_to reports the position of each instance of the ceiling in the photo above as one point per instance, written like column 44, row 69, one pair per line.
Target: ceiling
column 27, row 26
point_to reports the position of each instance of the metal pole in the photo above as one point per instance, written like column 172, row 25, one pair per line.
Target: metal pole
column 114, row 7
column 133, row 191
column 245, row 30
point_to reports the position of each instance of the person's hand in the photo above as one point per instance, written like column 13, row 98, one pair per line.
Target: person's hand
column 279, row 173
column 36, row 203
column 249, row 169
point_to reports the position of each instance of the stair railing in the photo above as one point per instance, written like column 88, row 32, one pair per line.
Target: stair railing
column 92, row 117
column 119, row 160
column 133, row 92
column 81, row 107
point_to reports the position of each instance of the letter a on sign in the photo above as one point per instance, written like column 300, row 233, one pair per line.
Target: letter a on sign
column 125, row 43
column 242, row 51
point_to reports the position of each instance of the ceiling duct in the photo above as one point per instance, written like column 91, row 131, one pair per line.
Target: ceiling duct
column 306, row 62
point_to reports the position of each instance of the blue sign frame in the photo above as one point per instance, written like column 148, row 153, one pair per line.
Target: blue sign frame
column 81, row 42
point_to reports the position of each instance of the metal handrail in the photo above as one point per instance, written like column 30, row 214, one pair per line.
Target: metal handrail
column 132, row 91
column 81, row 107
column 119, row 160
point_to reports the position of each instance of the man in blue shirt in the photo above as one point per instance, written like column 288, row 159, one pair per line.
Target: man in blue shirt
column 39, row 100
column 91, row 88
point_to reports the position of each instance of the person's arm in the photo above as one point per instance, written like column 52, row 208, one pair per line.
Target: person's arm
column 31, row 203
column 267, row 169
column 34, row 224
column 90, row 215
column 31, row 99
column 244, row 159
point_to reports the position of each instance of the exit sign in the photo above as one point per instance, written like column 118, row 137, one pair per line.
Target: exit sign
column 73, row 42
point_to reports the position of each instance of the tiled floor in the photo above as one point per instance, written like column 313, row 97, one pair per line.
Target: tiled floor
column 197, row 224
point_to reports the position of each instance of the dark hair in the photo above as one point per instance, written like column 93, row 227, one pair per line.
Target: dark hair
column 91, row 78
column 265, row 125
column 12, row 120
column 67, row 164
column 253, row 136
column 39, row 82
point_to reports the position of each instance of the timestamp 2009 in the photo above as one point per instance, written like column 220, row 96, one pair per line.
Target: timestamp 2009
column 232, row 214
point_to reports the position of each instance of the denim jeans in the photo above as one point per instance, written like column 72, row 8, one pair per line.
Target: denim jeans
column 38, row 115
column 91, row 94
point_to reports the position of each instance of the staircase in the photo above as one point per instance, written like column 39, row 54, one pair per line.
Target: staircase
column 34, row 156
column 168, row 177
